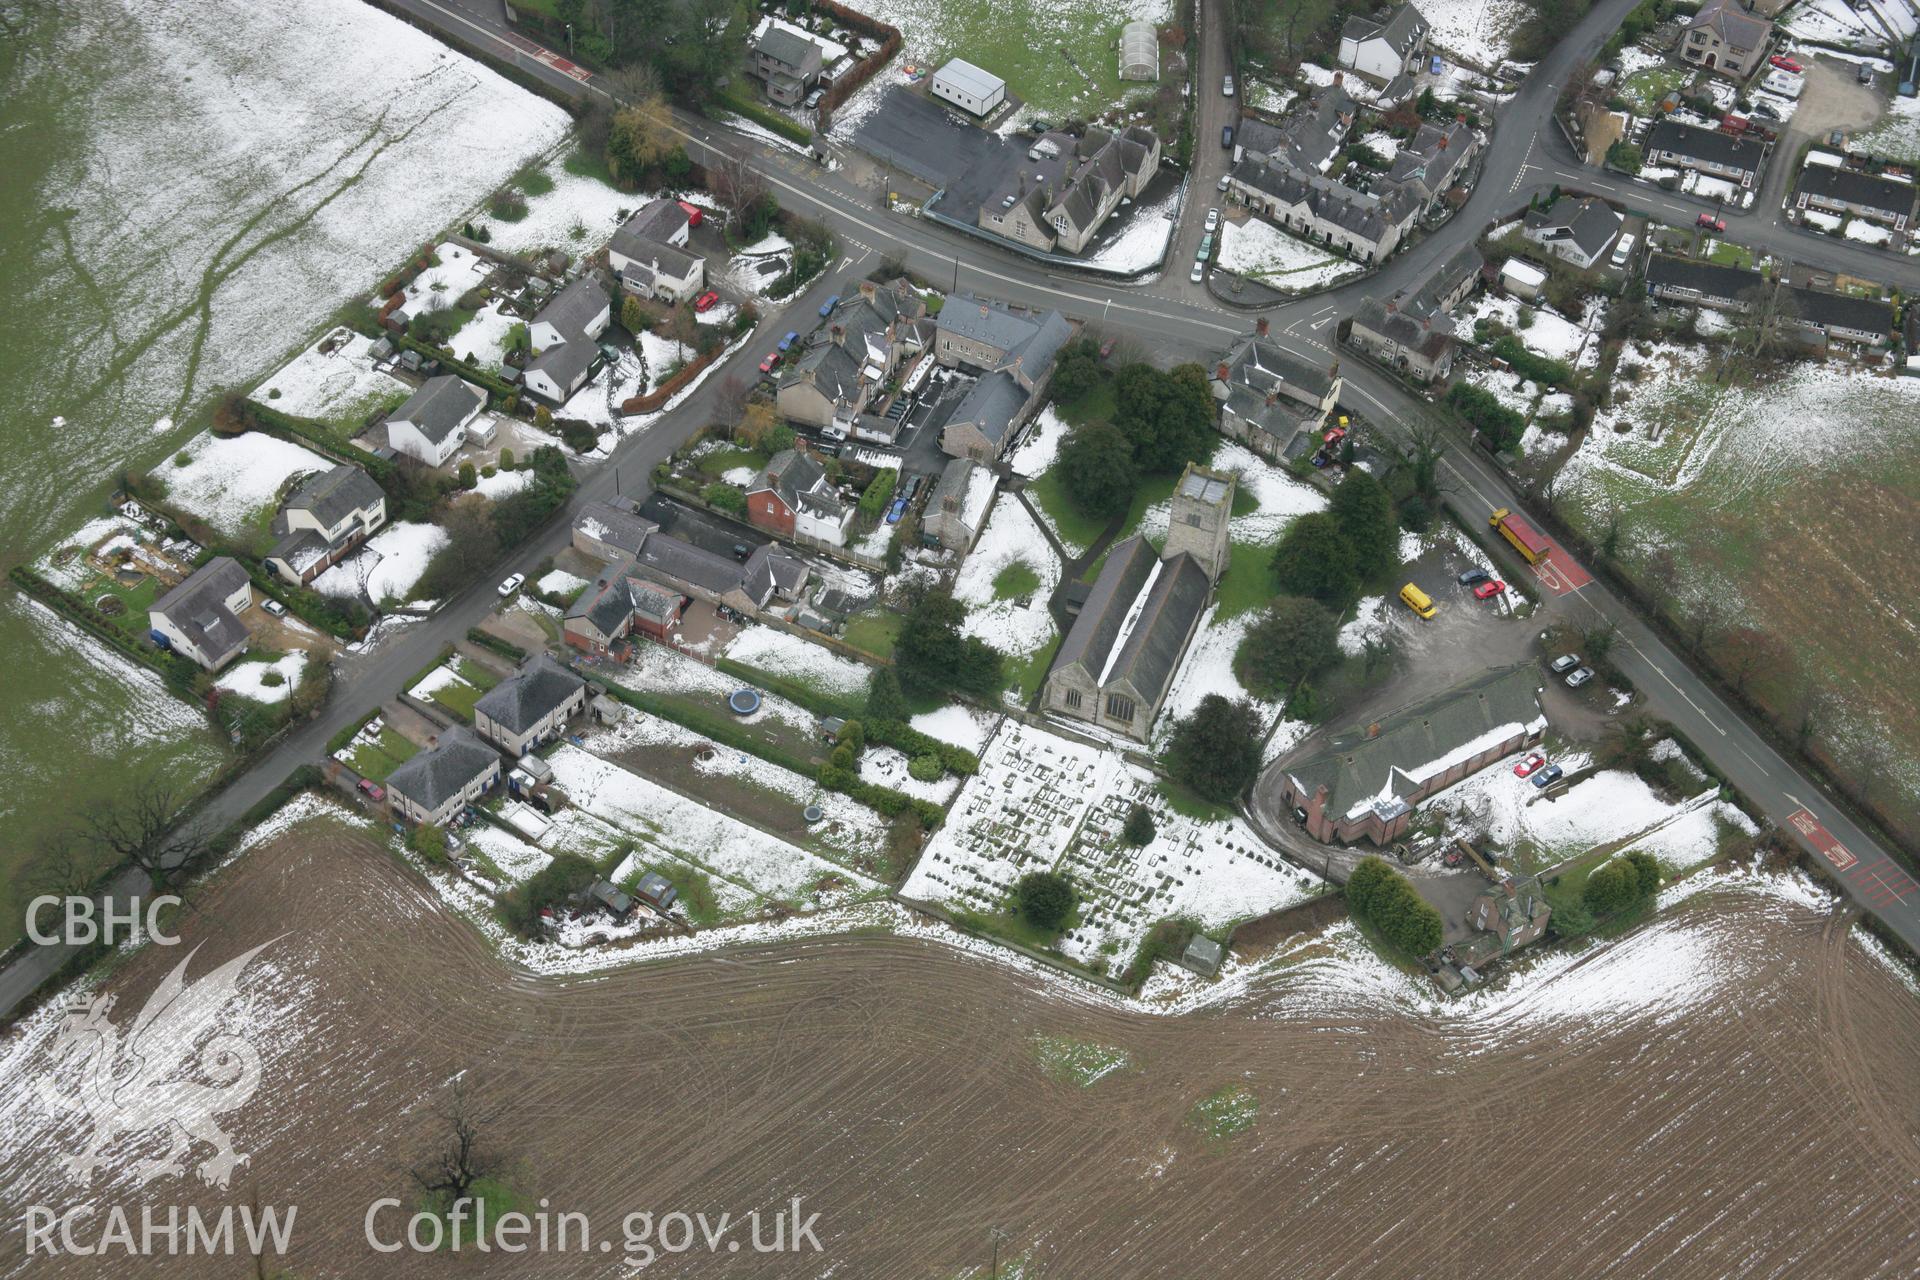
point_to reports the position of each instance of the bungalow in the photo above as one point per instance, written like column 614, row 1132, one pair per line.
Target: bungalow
column 958, row 507
column 1703, row 284
column 1117, row 663
column 578, row 312
column 786, row 62
column 559, row 371
column 455, row 770
column 793, row 497
column 201, row 617
column 1837, row 315
column 1863, row 195
column 323, row 520
column 1364, row 784
column 617, row 604
column 1270, row 400
column 529, row 707
column 432, row 423
column 1382, row 48
column 1727, row 37
column 1576, row 231
column 1708, row 151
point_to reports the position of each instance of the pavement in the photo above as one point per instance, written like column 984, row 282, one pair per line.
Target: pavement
column 1176, row 321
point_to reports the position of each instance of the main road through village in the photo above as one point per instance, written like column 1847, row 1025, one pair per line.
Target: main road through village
column 1527, row 155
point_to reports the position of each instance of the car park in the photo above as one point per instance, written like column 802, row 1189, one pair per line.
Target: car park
column 1564, row 663
column 1198, row 273
column 1579, row 676
column 512, row 585
column 1489, row 589
column 826, row 308
column 706, row 301
column 1710, row 222
column 1548, row 776
column 1533, row 761
column 274, row 607
column 1473, row 577
column 793, row 336
column 1213, row 220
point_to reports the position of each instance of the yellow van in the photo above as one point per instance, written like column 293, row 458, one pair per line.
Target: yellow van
column 1417, row 600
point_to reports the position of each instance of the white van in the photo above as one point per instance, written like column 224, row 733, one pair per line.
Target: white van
column 1622, row 250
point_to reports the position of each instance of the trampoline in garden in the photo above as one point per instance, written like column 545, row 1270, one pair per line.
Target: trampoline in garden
column 744, row 702
column 813, row 813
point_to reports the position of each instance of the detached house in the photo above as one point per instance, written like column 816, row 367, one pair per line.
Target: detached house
column 649, row 255
column 432, row 424
column 823, row 388
column 1728, row 37
column 1015, row 350
column 794, row 498
column 529, row 707
column 616, row 605
column 200, row 618
column 432, row 787
column 1271, row 401
column 1708, row 151
column 786, row 62
column 1365, row 784
column 1381, row 48
column 323, row 520
column 1576, row 231
column 1862, row 195
column 563, row 334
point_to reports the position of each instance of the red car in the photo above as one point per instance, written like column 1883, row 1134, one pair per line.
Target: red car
column 773, row 358
column 1533, row 761
column 705, row 301
column 1786, row 64
column 1489, row 589
column 1710, row 222
column 694, row 212
column 374, row 790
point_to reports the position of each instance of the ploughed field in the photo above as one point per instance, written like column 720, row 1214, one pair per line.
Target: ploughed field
column 1730, row 1091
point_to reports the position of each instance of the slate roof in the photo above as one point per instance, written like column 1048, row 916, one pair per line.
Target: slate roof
column 335, row 494
column 1432, row 158
column 1425, row 299
column 830, row 369
column 1732, row 23
column 1259, row 137
column 574, row 307
column 800, row 481
column 1394, row 763
column 436, row 775
column 655, row 258
column 530, row 695
column 1145, row 654
column 789, row 47
column 1850, row 186
column 605, row 604
column 440, row 406
column 1705, row 144
column 1590, row 224
column 1402, row 31
column 1259, row 365
column 1429, row 339
column 998, row 326
column 566, row 362
column 991, row 405
column 772, row 570
column 1709, row 279
column 197, row 608
column 649, row 227
column 1365, row 215
column 615, row 524
column 1816, row 306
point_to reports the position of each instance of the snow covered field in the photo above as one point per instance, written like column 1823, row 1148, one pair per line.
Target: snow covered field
column 391, row 562
column 1475, row 31
column 1041, row 801
column 228, row 481
column 1207, row 668
column 781, row 653
column 248, row 679
column 1897, row 136
column 1021, row 625
column 338, row 386
column 1547, row 333
column 577, row 216
column 1258, row 249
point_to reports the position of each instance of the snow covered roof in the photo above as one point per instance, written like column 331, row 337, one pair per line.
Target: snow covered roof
column 1523, row 272
column 969, row 79
column 1136, row 622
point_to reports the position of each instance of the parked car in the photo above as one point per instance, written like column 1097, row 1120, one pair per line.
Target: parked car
column 273, row 607
column 1213, row 220
column 1226, row 136
column 768, row 365
column 372, row 789
column 1866, row 74
column 512, row 585
column 813, row 99
column 1225, row 180
column 1548, row 776
column 793, row 336
column 898, row 509
column 1533, row 761
column 826, row 308
column 1206, row 248
column 1198, row 273
column 1710, row 222
column 1474, row 577
column 1489, row 589
column 706, row 301
column 741, row 551
column 1786, row 64
column 1579, row 676
column 1226, row 86
column 1564, row 663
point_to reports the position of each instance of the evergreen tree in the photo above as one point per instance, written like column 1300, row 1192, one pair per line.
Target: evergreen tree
column 1292, row 640
column 1364, row 514
column 1215, row 751
column 1096, row 467
column 1315, row 559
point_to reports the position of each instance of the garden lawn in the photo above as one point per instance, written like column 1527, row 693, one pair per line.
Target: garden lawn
column 1076, row 530
column 376, row 760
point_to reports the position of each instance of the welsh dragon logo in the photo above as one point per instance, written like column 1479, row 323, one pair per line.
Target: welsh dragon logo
column 147, row 1080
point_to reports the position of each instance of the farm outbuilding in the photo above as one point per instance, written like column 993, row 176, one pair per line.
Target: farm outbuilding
column 1139, row 51
column 965, row 85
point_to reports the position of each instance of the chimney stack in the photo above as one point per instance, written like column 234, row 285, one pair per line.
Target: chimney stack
column 1260, row 326
column 1220, row 371
column 1339, row 78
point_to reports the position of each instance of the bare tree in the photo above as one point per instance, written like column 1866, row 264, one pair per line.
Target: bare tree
column 141, row 826
column 730, row 398
column 635, row 82
column 463, row 1157
column 60, row 866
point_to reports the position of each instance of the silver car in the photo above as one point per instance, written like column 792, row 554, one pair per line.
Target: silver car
column 1564, row 663
column 1198, row 273
column 1579, row 676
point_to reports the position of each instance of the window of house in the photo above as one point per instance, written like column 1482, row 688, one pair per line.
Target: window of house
column 1120, row 708
column 1074, row 700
